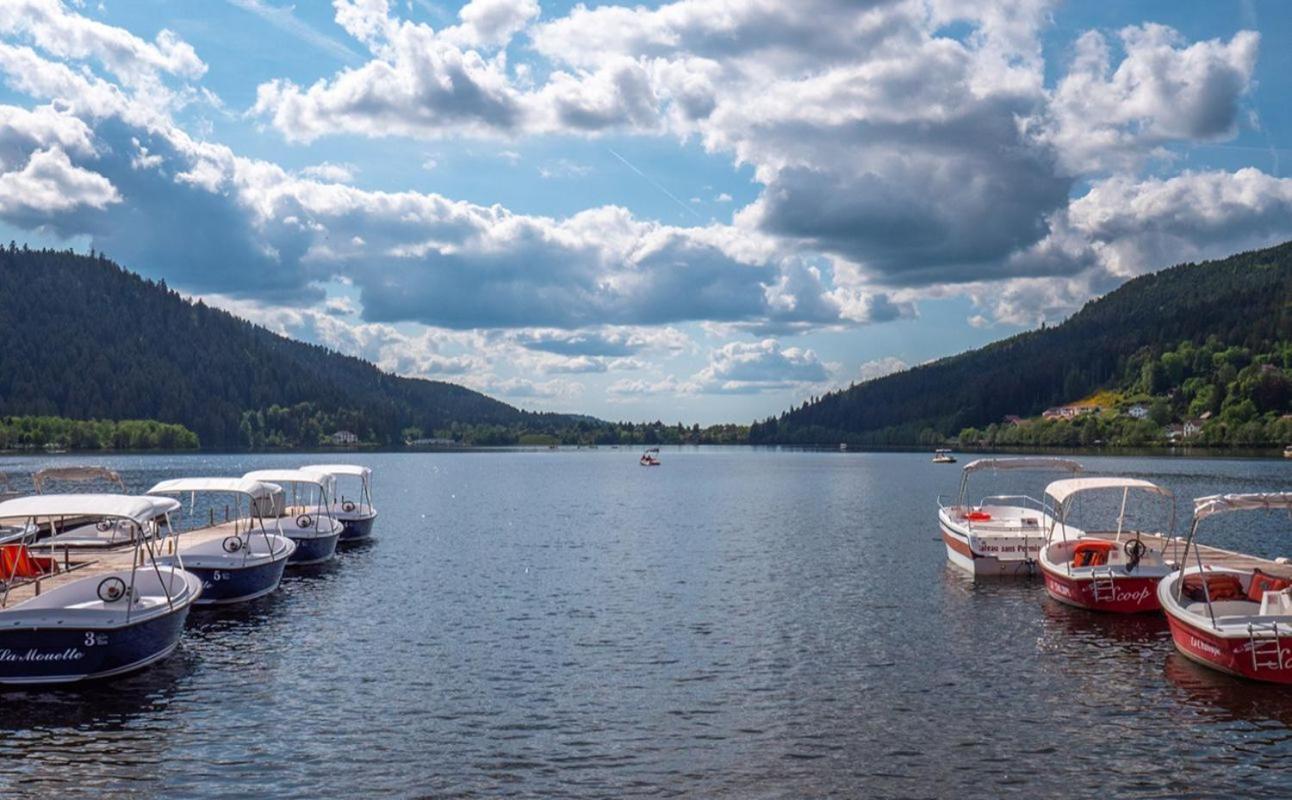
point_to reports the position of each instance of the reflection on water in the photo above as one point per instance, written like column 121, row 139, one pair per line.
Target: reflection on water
column 737, row 623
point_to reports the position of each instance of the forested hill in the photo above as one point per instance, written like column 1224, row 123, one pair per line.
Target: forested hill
column 1240, row 303
column 83, row 338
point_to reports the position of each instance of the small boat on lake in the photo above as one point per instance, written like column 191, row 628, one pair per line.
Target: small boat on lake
column 1113, row 571
column 1002, row 534
column 1233, row 613
column 943, row 456
column 306, row 516
column 248, row 561
column 356, row 512
column 59, row 624
column 650, row 458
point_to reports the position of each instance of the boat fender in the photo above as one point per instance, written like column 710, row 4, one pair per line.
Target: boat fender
column 348, row 506
column 232, row 544
column 304, row 521
column 111, row 589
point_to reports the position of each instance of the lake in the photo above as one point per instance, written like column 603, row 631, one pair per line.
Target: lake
column 736, row 623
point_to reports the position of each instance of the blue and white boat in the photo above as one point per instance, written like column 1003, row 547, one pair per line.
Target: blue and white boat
column 239, row 559
column 357, row 512
column 62, row 621
column 305, row 516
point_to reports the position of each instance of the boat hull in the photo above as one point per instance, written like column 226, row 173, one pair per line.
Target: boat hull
column 223, row 585
column 961, row 555
column 1233, row 654
column 1128, row 594
column 357, row 528
column 41, row 655
column 313, row 549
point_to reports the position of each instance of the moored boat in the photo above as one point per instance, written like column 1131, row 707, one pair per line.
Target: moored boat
column 247, row 561
column 305, row 517
column 650, row 458
column 58, row 627
column 1235, row 619
column 1002, row 534
column 355, row 512
column 1115, row 571
column 943, row 456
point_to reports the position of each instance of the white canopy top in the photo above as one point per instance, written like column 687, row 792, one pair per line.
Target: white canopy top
column 322, row 479
column 353, row 470
column 255, row 489
column 1036, row 462
column 1062, row 490
column 80, row 474
column 1222, row 503
column 139, row 509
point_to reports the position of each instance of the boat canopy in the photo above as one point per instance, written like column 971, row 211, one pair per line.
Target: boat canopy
column 323, row 480
column 79, row 474
column 351, row 470
column 255, row 489
column 1062, row 464
column 1064, row 489
column 1204, row 507
column 135, row 508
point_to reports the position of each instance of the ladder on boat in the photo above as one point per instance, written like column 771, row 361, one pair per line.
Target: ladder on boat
column 1267, row 653
column 1103, row 585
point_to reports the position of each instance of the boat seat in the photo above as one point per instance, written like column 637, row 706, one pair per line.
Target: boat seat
column 1263, row 582
column 1091, row 554
column 16, row 561
column 1220, row 585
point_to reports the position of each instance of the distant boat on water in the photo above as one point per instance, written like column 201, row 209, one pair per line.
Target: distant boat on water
column 943, row 456
column 650, row 458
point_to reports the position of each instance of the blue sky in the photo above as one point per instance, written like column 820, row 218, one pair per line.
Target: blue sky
column 698, row 210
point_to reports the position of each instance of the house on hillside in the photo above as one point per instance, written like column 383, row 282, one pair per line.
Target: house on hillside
column 1014, row 420
column 1174, row 432
column 1137, row 411
column 344, row 437
column 1069, row 412
column 1192, row 427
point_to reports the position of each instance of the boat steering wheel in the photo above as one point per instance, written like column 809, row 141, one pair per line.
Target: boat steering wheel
column 304, row 521
column 348, row 506
column 232, row 544
column 1135, row 550
column 111, row 589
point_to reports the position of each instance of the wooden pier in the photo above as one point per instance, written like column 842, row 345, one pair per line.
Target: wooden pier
column 1172, row 549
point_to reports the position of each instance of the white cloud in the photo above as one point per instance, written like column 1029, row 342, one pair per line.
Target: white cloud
column 331, row 173
column 880, row 367
column 748, row 368
column 50, row 184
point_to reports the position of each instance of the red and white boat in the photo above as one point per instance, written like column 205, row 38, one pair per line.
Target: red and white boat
column 650, row 458
column 1002, row 534
column 1115, row 571
column 1235, row 620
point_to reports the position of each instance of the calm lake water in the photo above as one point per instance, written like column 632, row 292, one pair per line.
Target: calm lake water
column 736, row 623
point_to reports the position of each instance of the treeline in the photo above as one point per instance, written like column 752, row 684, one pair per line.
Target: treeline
column 32, row 433
column 1242, row 302
column 86, row 339
column 590, row 432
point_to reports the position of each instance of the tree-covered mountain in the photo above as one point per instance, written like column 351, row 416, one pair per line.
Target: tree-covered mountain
column 1224, row 325
column 80, row 337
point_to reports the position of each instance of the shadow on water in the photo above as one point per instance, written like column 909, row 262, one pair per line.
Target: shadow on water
column 1220, row 698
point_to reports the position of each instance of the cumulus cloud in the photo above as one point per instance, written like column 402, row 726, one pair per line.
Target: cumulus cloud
column 879, row 367
column 50, row 184
column 750, row 368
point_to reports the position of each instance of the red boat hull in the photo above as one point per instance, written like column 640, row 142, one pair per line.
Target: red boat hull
column 1233, row 654
column 1130, row 595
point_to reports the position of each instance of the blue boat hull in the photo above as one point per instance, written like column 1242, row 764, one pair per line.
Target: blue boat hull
column 225, row 585
column 313, row 549
column 357, row 529
column 62, row 655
